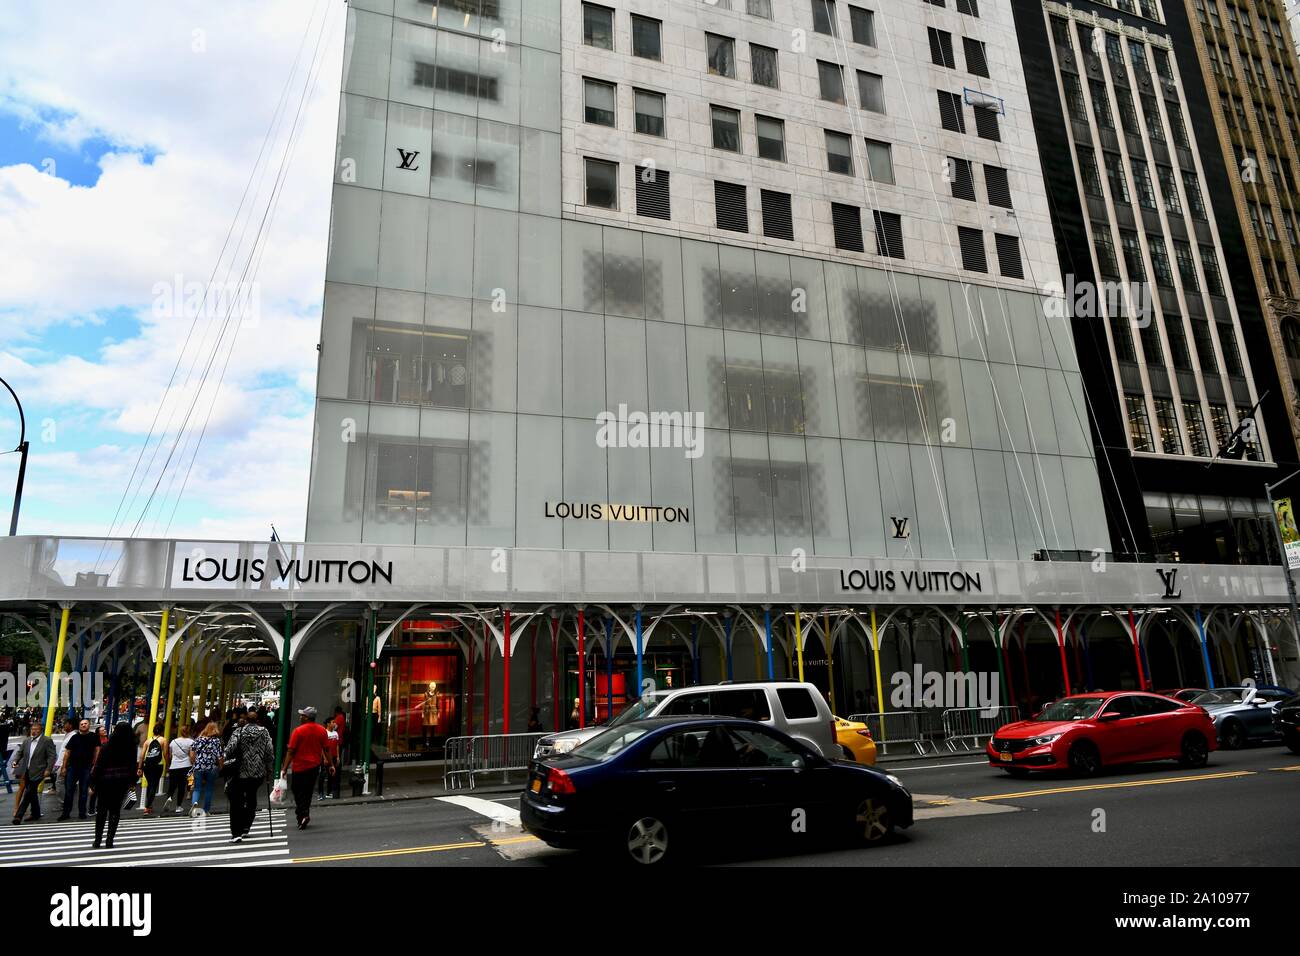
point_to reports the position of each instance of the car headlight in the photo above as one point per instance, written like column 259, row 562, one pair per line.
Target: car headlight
column 894, row 780
column 564, row 745
column 1045, row 739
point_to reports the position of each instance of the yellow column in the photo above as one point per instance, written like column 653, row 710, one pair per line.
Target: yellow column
column 157, row 673
column 830, row 657
column 798, row 640
column 171, row 694
column 52, row 704
column 880, row 688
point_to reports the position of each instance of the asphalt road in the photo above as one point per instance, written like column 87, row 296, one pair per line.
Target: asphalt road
column 1239, row 811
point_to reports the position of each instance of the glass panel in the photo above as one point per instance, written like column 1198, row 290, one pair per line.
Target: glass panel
column 366, row 50
column 893, row 402
column 584, row 365
column 894, row 468
column 496, row 166
column 948, row 400
column 817, row 382
column 539, row 261
column 539, row 171
column 491, row 519
column 701, row 289
column 451, row 259
column 752, row 482
column 932, row 513
column 540, row 369
column 666, row 374
column 739, row 308
column 1087, row 512
column 663, row 277
column 706, row 376
column 715, row 524
column 539, row 478
column 539, row 104
column 781, row 384
column 498, row 83
column 389, row 456
column 354, row 236
column 584, row 280
column 935, row 293
column 843, row 305
column 995, row 505
column 496, row 254
column 791, row 493
column 866, row 520
column 345, row 329
column 338, row 478
column 1069, row 412
column 413, row 59
column 629, row 483
column 494, row 356
column 585, row 480
column 882, row 309
column 1022, row 485
column 808, row 299
column 624, row 278
column 392, row 364
column 852, row 394
column 410, row 138
column 456, row 79
column 402, row 254
column 982, row 413
column 455, row 150
column 670, row 485
column 746, row 395
column 626, row 356
column 359, row 157
column 1034, row 396
column 442, row 477
column 828, row 504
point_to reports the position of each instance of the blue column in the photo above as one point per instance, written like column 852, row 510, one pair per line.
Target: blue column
column 695, row 651
column 81, row 659
column 727, row 623
column 638, row 650
column 110, row 718
column 1087, row 658
column 1205, row 651
column 609, row 668
column 767, row 626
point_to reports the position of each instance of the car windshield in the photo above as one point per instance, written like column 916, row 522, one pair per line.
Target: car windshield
column 1072, row 708
column 636, row 711
column 1224, row 695
column 608, row 742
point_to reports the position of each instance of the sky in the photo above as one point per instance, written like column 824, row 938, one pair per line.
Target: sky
column 128, row 137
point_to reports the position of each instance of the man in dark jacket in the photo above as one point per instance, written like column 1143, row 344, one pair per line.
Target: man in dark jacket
column 78, row 757
column 35, row 765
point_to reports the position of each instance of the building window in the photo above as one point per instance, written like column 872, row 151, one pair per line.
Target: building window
column 961, row 173
column 1142, row 183
column 871, row 91
column 1127, row 113
column 1270, row 228
column 1088, row 170
column 726, row 129
column 777, row 220
column 722, row 55
column 986, row 123
column 1210, row 266
column 1186, row 266
column 1128, row 241
column 771, row 138
column 602, row 184
column 823, row 12
column 976, row 61
column 1195, row 203
column 1155, row 129
column 647, row 38
column 830, row 76
column 652, row 197
column 847, row 223
column 950, row 113
column 1101, row 104
column 839, row 153
column 1139, row 426
column 1221, row 424
column 880, row 161
column 863, row 22
column 1204, row 347
column 971, row 242
column 1231, row 355
column 1197, row 440
column 1123, row 335
column 729, row 201
column 968, row 7
column 1074, row 97
column 1169, row 190
column 1164, row 275
column 1107, row 264
column 1008, row 256
column 941, row 48
column 598, row 26
column 889, row 234
column 762, row 65
column 649, row 113
column 1167, row 422
column 598, row 100
column 759, row 8
column 1253, row 452
column 996, row 186
column 1115, row 174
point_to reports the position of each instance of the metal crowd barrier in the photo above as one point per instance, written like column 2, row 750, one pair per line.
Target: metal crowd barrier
column 894, row 728
column 968, row 727
column 468, row 757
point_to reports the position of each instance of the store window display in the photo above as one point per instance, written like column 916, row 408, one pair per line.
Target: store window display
column 417, row 700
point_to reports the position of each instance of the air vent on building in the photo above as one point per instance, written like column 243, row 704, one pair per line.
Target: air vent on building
column 847, row 221
column 652, row 196
column 986, row 123
column 777, row 221
column 729, row 199
column 889, row 234
column 1009, row 256
column 972, row 249
column 950, row 113
column 995, row 183
column 976, row 61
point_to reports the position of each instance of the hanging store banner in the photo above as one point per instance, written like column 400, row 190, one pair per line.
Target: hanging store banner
column 1290, row 534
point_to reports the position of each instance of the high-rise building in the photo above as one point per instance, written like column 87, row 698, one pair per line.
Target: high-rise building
column 1172, row 343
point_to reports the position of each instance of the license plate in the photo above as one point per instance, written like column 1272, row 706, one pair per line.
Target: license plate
column 535, row 786
column 1005, row 757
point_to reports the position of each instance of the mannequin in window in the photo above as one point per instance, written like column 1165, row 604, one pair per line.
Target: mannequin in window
column 429, row 714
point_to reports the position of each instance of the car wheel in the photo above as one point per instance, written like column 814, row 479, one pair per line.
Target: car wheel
column 1085, row 759
column 848, row 754
column 1018, row 772
column 872, row 821
column 1292, row 742
column 1233, row 735
column 646, row 840
column 1195, row 750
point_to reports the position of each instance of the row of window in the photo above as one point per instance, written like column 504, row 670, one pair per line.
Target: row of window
column 1139, row 427
column 970, row 243
column 1163, row 272
column 941, row 52
column 1119, row 190
column 1127, row 110
column 952, row 116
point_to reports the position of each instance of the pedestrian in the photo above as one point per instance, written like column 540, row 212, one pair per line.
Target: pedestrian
column 305, row 760
column 5, row 751
column 60, row 741
column 101, row 733
column 78, row 759
column 34, row 765
column 151, row 767
column 178, row 768
column 114, row 772
column 250, row 753
column 327, row 784
column 205, row 752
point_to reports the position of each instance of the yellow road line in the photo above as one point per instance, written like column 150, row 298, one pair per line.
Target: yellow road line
column 519, row 839
column 1113, row 786
column 398, row 852
column 1296, row 767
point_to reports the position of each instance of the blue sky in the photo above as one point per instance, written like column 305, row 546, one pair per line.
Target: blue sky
column 115, row 198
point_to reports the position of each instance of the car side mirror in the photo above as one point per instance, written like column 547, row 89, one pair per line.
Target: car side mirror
column 1108, row 718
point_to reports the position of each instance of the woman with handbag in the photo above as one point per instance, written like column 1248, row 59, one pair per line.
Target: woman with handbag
column 113, row 773
column 151, row 767
column 206, row 754
column 247, row 764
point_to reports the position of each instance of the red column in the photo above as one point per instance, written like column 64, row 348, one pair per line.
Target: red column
column 1078, row 665
column 555, row 670
column 1137, row 651
column 487, row 678
column 1060, row 643
column 582, row 668
column 505, row 680
column 469, row 710
column 532, row 670
column 1005, row 651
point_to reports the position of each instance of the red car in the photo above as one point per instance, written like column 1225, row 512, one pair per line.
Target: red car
column 1088, row 731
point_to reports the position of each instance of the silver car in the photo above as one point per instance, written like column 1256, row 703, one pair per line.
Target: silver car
column 1242, row 714
column 798, row 709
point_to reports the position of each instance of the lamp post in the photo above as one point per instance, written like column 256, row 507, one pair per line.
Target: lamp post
column 22, row 458
column 1286, row 564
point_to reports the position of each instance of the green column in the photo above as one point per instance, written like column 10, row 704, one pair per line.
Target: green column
column 367, row 727
column 965, row 652
column 282, row 721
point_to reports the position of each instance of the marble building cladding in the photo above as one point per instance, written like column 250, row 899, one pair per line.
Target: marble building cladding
column 547, row 211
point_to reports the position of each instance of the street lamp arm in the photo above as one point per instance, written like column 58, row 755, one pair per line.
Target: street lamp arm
column 22, row 419
column 1277, row 484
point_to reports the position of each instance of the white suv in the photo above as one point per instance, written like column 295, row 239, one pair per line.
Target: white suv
column 798, row 709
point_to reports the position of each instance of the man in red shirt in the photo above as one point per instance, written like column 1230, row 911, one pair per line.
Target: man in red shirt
column 307, row 753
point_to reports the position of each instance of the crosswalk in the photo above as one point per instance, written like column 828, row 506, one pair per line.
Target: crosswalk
column 158, row 841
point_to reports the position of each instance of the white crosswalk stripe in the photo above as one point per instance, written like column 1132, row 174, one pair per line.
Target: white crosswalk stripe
column 161, row 841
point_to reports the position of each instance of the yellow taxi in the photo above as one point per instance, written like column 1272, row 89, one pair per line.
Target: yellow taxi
column 855, row 741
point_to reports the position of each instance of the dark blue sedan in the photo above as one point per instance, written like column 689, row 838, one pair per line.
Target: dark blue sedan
column 651, row 790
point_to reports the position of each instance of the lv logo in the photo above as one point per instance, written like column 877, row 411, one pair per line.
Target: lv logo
column 408, row 158
column 900, row 527
column 1170, row 578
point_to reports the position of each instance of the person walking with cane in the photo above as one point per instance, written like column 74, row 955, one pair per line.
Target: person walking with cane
column 246, row 765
